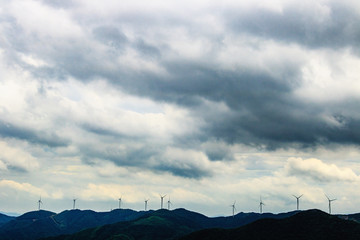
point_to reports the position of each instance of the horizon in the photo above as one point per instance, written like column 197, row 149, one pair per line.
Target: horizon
column 165, row 208
column 154, row 210
column 205, row 101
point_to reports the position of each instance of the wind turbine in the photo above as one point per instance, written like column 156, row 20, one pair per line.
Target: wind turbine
column 169, row 203
column 330, row 200
column 120, row 202
column 261, row 204
column 297, row 201
column 74, row 202
column 162, row 200
column 146, row 202
column 233, row 208
column 40, row 202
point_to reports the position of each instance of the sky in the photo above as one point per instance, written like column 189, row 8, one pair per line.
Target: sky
column 208, row 102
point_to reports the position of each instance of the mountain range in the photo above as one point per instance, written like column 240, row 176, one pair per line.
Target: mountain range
column 175, row 224
column 309, row 225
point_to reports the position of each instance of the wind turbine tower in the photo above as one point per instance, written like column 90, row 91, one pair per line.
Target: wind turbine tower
column 120, row 202
column 40, row 202
column 261, row 205
column 74, row 203
column 233, row 208
column 162, row 200
column 330, row 200
column 297, row 201
column 169, row 203
column 146, row 202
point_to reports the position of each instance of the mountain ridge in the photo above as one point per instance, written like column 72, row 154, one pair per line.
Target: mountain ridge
column 311, row 225
column 171, row 224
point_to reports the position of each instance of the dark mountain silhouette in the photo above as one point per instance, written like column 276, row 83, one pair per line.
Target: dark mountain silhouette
column 5, row 218
column 164, row 224
column 355, row 217
column 311, row 224
column 39, row 224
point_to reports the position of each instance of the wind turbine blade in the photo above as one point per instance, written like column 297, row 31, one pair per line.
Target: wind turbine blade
column 327, row 197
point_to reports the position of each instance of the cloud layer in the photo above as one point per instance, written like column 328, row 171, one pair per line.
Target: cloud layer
column 178, row 90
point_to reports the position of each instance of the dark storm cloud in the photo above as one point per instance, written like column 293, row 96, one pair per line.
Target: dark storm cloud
column 312, row 27
column 284, row 129
column 49, row 139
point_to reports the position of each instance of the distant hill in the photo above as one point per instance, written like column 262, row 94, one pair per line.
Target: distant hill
column 4, row 219
column 39, row 224
column 164, row 224
column 309, row 225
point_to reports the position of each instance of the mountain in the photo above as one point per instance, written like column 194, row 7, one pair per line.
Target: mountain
column 309, row 225
column 30, row 225
column 164, row 224
column 355, row 217
column 39, row 224
column 161, row 224
column 4, row 219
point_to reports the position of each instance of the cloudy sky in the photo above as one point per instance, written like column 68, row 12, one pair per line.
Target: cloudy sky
column 206, row 101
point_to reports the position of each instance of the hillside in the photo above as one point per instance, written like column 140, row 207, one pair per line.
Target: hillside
column 39, row 224
column 4, row 219
column 164, row 224
column 309, row 225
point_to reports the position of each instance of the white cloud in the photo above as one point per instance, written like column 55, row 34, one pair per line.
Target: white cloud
column 329, row 77
column 22, row 187
column 42, row 20
column 110, row 191
column 317, row 170
column 12, row 157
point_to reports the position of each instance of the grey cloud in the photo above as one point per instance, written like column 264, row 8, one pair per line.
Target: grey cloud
column 147, row 156
column 17, row 169
column 187, row 171
column 124, row 155
column 305, row 27
column 99, row 130
column 263, row 111
column 146, row 49
column 262, row 108
column 282, row 128
column 110, row 36
column 60, row 3
column 217, row 151
column 8, row 130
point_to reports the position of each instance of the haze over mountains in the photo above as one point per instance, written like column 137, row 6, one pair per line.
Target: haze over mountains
column 175, row 224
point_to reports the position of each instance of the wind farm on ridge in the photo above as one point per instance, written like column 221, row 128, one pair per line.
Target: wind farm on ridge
column 233, row 207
